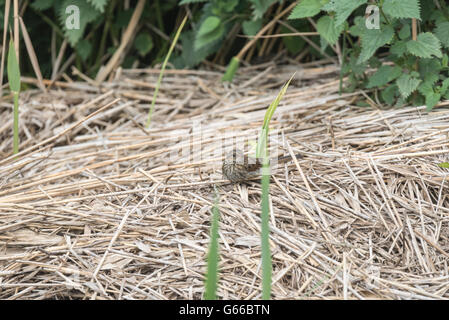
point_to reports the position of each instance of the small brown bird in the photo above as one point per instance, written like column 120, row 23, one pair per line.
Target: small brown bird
column 238, row 167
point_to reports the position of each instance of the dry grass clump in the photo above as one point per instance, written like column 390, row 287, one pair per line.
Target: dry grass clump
column 95, row 208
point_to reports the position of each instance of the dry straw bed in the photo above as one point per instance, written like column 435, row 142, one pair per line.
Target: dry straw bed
column 94, row 208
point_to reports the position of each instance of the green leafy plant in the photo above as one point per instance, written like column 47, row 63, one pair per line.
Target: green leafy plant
column 262, row 152
column 414, row 67
column 14, row 85
column 158, row 84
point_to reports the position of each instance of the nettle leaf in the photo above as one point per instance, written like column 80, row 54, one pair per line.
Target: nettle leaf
column 251, row 27
column 143, row 43
column 407, row 85
column 260, row 7
column 211, row 30
column 432, row 99
column 425, row 88
column 431, row 78
column 389, row 93
column 327, row 29
column 87, row 14
column 84, row 48
column 384, row 75
column 343, row 9
column 444, row 60
column 98, row 4
column 373, row 39
column 402, row 8
column 442, row 33
column 42, row 4
column 331, row 6
column 305, row 9
column 425, row 46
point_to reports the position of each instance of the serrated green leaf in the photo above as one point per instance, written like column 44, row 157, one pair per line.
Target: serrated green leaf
column 407, row 85
column 305, row 9
column 83, row 48
column 13, row 69
column 442, row 33
column 99, row 4
column 343, row 9
column 42, row 4
column 87, row 14
column 398, row 48
column 373, row 39
column 143, row 43
column 331, row 6
column 388, row 94
column 425, row 46
column 402, row 8
column 384, row 75
column 190, row 1
column 431, row 100
column 190, row 57
column 251, row 27
column 327, row 29
column 209, row 25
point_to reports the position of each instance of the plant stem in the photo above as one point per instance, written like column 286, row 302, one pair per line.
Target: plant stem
column 16, row 124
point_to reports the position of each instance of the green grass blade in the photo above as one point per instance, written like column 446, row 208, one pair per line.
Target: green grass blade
column 212, row 259
column 14, row 85
column 231, row 69
column 265, row 234
column 161, row 74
